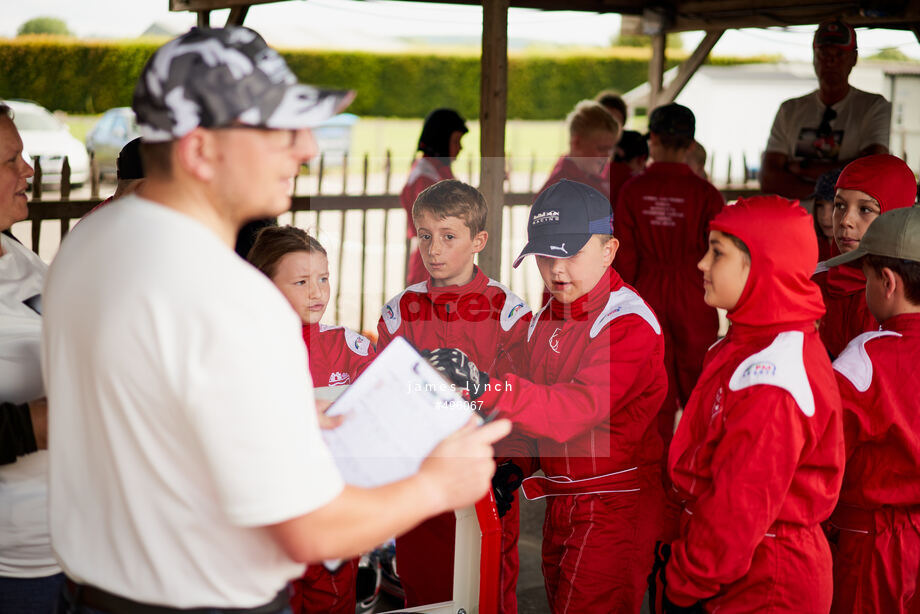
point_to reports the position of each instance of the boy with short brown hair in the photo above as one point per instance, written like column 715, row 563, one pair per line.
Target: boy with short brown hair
column 875, row 524
column 457, row 306
column 662, row 218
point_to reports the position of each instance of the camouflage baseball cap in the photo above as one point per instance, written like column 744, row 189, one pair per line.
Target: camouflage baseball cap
column 895, row 234
column 214, row 77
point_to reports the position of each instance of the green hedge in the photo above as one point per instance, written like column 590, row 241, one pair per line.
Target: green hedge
column 81, row 77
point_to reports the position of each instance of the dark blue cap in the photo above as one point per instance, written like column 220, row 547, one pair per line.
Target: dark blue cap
column 826, row 186
column 563, row 218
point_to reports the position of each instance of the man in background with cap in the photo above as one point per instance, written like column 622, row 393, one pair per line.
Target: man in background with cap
column 590, row 396
column 662, row 218
column 187, row 467
column 875, row 525
column 829, row 127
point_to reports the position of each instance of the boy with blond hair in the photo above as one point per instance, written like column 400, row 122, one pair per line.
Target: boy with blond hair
column 593, row 135
column 875, row 525
column 590, row 395
column 458, row 306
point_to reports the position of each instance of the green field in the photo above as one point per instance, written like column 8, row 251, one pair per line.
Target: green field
column 540, row 141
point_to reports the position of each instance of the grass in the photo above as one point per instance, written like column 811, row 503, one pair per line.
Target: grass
column 524, row 139
column 533, row 146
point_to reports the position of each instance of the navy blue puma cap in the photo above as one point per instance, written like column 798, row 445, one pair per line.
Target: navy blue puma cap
column 563, row 218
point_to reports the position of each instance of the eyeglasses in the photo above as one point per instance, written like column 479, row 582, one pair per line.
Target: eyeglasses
column 824, row 128
column 282, row 138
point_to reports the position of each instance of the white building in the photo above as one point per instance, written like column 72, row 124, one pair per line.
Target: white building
column 735, row 107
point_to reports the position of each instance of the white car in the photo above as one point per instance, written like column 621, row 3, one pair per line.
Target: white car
column 45, row 136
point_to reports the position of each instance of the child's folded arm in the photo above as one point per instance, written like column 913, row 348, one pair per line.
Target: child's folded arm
column 611, row 365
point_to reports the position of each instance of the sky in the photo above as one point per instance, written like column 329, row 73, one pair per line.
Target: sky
column 345, row 23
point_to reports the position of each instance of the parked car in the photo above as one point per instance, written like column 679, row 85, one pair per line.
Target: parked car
column 333, row 137
column 113, row 130
column 45, row 136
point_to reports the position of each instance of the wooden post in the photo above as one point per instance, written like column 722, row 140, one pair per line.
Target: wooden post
column 387, row 169
column 689, row 67
column 37, row 179
column 93, row 176
column 319, row 178
column 656, row 70
column 65, row 194
column 237, row 15
column 492, row 114
column 204, row 19
column 65, row 179
column 533, row 170
column 366, row 170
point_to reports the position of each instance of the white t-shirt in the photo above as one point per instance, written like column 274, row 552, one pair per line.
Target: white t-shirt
column 25, row 546
column 182, row 414
column 862, row 119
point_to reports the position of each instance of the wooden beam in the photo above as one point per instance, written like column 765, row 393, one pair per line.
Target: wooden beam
column 237, row 15
column 656, row 69
column 689, row 67
column 204, row 19
column 492, row 113
column 211, row 5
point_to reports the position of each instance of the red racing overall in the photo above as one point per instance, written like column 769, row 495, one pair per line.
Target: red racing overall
column 757, row 459
column 876, row 526
column 489, row 323
column 337, row 356
column 591, row 396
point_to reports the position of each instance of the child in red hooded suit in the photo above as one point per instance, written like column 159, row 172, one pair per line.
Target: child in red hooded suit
column 866, row 188
column 297, row 264
column 757, row 459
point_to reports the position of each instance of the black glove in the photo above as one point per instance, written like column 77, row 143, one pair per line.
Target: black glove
column 459, row 369
column 507, row 479
column 670, row 608
column 658, row 583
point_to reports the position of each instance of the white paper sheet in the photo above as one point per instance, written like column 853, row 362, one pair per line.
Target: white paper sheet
column 396, row 412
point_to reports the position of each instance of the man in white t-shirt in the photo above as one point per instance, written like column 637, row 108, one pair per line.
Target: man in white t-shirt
column 827, row 128
column 185, row 471
column 29, row 575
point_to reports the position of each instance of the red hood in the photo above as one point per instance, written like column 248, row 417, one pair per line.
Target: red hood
column 784, row 252
column 891, row 183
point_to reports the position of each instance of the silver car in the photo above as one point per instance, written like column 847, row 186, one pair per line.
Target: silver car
column 45, row 136
column 113, row 130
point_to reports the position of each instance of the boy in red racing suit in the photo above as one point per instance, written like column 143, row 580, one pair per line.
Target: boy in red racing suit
column 757, row 458
column 458, row 306
column 662, row 219
column 590, row 395
column 876, row 526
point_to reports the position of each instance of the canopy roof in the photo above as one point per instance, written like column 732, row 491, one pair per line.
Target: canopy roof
column 680, row 15
column 657, row 19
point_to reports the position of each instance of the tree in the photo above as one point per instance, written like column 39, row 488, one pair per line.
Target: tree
column 891, row 54
column 43, row 25
column 673, row 41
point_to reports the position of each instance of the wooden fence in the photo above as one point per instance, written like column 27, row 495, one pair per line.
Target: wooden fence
column 358, row 291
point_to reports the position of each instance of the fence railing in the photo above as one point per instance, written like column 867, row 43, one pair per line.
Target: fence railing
column 364, row 233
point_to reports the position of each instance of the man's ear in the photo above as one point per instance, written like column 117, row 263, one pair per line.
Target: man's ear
column 610, row 251
column 479, row 241
column 196, row 154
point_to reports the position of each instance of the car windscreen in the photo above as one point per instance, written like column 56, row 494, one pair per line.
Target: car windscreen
column 33, row 121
